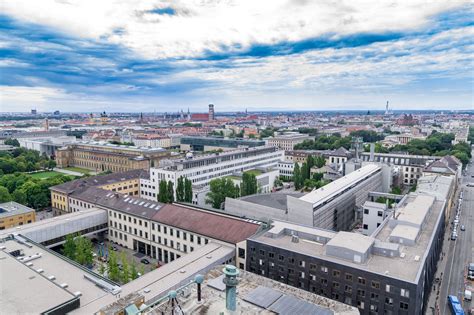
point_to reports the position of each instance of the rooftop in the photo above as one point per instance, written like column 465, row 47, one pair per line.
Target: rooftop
column 274, row 200
column 333, row 188
column 214, row 225
column 313, row 241
column 103, row 144
column 10, row 208
column 100, row 180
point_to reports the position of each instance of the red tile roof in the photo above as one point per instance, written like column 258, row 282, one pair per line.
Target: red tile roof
column 216, row 226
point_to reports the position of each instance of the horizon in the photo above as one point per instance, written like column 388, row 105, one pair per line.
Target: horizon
column 80, row 56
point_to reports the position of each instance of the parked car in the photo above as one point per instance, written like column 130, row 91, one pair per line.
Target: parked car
column 463, row 228
column 145, row 261
column 470, row 271
column 454, row 236
column 470, row 185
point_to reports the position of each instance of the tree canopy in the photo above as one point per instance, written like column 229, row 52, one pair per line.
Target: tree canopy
column 220, row 188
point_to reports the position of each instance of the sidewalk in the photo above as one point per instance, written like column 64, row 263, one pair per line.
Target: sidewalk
column 67, row 172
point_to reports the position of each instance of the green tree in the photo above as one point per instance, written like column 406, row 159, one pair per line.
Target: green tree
column 180, row 189
column 5, row 195
column 220, row 188
column 170, row 196
column 249, row 184
column 134, row 272
column 297, row 178
column 83, row 250
column 319, row 161
column 125, row 276
column 13, row 142
column 102, row 269
column 396, row 190
column 114, row 271
column 188, row 190
column 19, row 196
column 163, row 192
column 305, row 171
column 69, row 247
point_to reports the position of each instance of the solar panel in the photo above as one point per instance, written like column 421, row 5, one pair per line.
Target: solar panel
column 290, row 305
column 262, row 296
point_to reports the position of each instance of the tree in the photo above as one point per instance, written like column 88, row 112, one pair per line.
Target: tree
column 249, row 184
column 188, row 190
column 102, row 269
column 134, row 272
column 19, row 196
column 319, row 161
column 220, row 188
column 51, row 164
column 180, row 194
column 170, row 196
column 125, row 276
column 69, row 247
column 5, row 195
column 13, row 142
column 305, row 171
column 396, row 190
column 83, row 250
column 114, row 271
column 297, row 179
column 163, row 192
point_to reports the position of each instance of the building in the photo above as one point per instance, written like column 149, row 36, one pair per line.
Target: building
column 265, row 178
column 152, row 141
column 388, row 272
column 215, row 143
column 373, row 214
column 102, row 157
column 330, row 207
column 125, row 183
column 211, row 112
column 47, row 145
column 14, row 214
column 287, row 141
column 409, row 166
column 202, row 169
column 447, row 165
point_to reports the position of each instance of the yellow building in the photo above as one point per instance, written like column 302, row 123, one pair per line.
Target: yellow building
column 13, row 214
column 124, row 183
column 102, row 157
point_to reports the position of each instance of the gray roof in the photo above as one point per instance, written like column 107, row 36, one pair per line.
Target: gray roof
column 13, row 208
column 274, row 200
column 100, row 180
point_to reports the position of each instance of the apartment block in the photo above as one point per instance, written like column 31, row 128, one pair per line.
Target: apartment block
column 14, row 214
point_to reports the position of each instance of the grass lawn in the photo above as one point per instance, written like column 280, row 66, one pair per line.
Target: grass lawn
column 78, row 169
column 46, row 174
column 254, row 172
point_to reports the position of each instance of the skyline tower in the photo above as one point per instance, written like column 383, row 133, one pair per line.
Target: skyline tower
column 211, row 112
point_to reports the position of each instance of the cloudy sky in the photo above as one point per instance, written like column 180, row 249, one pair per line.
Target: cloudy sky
column 147, row 55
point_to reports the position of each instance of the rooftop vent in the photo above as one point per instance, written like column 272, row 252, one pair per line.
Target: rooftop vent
column 77, row 293
column 295, row 239
column 64, row 285
column 402, row 255
column 417, row 258
column 52, row 278
column 39, row 270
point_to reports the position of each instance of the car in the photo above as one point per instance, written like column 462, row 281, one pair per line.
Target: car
column 470, row 271
column 470, row 185
column 145, row 261
column 463, row 228
column 454, row 236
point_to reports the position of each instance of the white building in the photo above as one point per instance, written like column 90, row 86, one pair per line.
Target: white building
column 287, row 141
column 373, row 215
column 201, row 170
column 151, row 141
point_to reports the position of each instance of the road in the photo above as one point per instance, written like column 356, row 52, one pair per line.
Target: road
column 461, row 251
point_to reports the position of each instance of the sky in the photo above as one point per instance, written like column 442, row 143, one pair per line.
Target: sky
column 164, row 56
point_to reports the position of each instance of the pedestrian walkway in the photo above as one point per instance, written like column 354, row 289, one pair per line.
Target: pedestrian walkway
column 67, row 172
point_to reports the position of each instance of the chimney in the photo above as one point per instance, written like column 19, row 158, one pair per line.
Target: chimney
column 230, row 281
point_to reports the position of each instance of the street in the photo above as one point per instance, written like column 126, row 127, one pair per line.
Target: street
column 458, row 253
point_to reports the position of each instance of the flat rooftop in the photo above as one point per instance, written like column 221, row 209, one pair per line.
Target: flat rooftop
column 274, row 200
column 101, row 144
column 8, row 209
column 21, row 282
column 333, row 188
column 405, row 268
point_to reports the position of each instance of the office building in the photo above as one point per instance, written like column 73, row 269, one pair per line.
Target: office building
column 202, row 169
column 46, row 145
column 99, row 156
column 287, row 141
column 125, row 183
column 373, row 214
column 14, row 214
column 388, row 272
column 330, row 207
column 215, row 143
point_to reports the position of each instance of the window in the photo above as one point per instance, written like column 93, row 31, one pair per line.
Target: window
column 374, row 296
column 281, row 257
column 348, row 289
column 291, row 260
column 348, row 277
column 361, row 280
column 191, row 237
column 375, row 285
column 387, row 288
column 271, row 255
column 302, row 263
column 403, row 306
column 312, row 266
column 199, row 240
column 177, row 233
column 388, row 301
column 335, row 285
column 184, row 236
column 366, row 211
column 324, row 269
column 380, row 213
column 405, row 293
column 171, row 231
column 262, row 252
column 361, row 293
column 366, row 227
column 336, row 273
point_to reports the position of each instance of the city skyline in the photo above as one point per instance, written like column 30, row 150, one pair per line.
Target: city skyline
column 164, row 56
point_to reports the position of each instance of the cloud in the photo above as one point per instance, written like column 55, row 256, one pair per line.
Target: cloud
column 197, row 27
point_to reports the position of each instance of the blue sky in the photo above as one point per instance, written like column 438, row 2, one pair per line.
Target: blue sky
column 164, row 56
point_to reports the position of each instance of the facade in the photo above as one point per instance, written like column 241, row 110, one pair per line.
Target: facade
column 410, row 166
column 286, row 169
column 373, row 214
column 14, row 214
column 201, row 170
column 390, row 272
column 152, row 141
column 125, row 183
column 215, row 143
column 287, row 141
column 47, row 145
column 330, row 207
column 109, row 157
